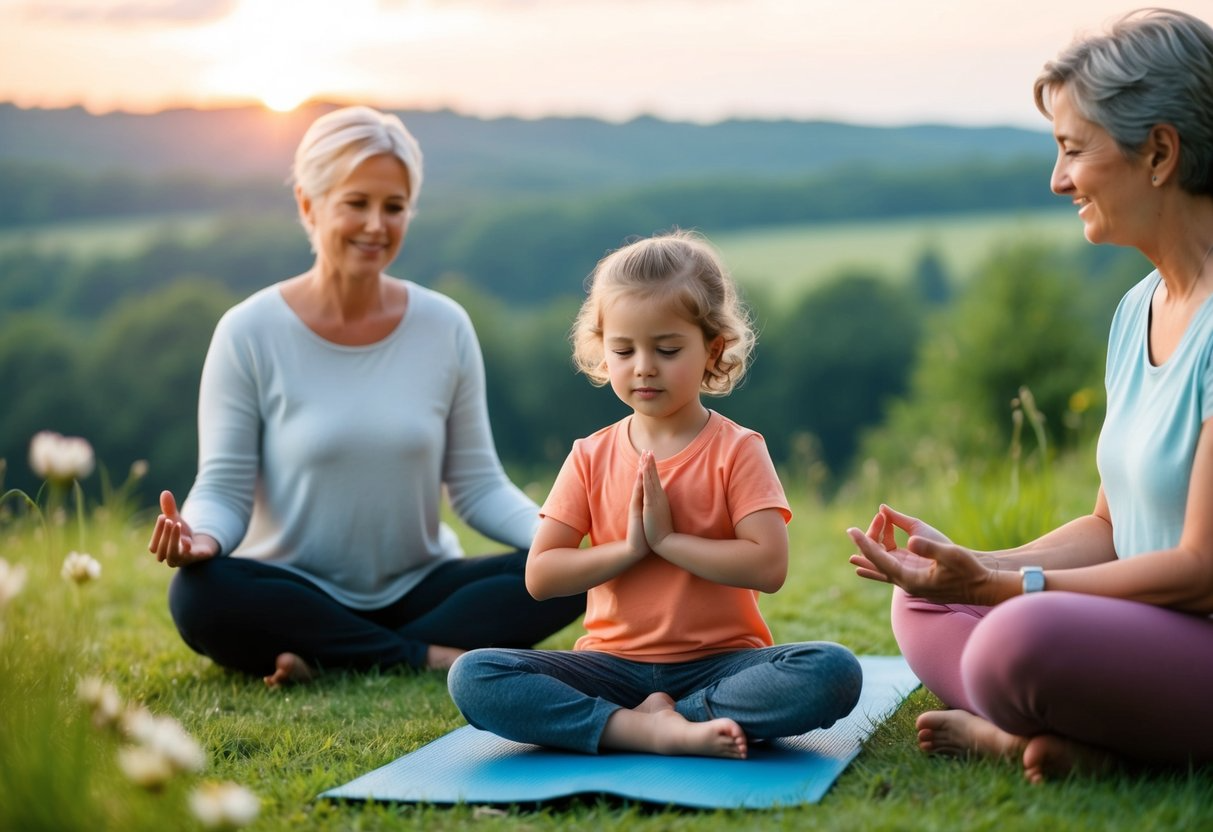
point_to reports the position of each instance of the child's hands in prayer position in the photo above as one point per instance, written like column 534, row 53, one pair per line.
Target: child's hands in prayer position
column 658, row 521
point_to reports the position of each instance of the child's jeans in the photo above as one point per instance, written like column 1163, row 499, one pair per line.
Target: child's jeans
column 562, row 699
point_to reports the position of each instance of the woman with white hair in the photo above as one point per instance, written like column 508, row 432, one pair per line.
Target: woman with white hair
column 1094, row 643
column 335, row 407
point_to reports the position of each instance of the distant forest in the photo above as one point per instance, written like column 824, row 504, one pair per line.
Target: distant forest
column 513, row 216
column 505, row 155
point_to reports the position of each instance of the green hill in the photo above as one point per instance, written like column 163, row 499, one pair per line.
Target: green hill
column 470, row 155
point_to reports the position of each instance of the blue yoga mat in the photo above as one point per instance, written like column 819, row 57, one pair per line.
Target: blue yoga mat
column 473, row 766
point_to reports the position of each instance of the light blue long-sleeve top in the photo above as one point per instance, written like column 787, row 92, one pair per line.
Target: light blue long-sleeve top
column 1155, row 413
column 330, row 460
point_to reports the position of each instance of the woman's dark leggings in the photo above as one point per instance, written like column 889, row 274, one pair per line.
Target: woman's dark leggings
column 243, row 613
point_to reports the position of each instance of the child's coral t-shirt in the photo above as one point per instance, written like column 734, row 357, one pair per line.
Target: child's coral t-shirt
column 656, row 611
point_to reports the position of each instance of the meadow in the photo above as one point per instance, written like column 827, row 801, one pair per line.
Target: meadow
column 110, row 237
column 59, row 771
column 760, row 257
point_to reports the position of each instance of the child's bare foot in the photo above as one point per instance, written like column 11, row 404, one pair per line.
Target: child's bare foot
column 659, row 729
column 289, row 669
column 1049, row 756
column 655, row 702
column 958, row 733
column 675, row 734
column 438, row 657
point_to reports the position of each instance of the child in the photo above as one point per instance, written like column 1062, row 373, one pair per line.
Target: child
column 687, row 523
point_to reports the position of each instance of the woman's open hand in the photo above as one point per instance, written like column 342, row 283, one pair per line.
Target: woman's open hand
column 929, row 565
column 173, row 542
column 882, row 530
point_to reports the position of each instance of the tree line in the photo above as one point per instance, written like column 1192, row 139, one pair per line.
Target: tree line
column 523, row 250
column 110, row 346
column 861, row 366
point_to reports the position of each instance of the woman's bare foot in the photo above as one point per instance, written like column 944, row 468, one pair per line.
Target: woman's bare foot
column 289, row 669
column 655, row 727
column 958, row 733
column 1048, row 756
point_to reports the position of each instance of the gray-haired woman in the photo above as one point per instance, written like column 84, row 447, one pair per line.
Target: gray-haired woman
column 1094, row 643
column 335, row 407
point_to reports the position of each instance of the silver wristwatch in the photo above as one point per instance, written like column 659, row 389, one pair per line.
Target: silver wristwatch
column 1033, row 578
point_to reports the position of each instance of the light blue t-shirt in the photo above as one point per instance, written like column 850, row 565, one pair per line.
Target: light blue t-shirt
column 1155, row 413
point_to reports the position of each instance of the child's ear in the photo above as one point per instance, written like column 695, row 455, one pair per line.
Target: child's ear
column 716, row 348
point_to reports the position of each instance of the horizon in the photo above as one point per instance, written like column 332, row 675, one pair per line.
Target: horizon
column 264, row 109
column 877, row 63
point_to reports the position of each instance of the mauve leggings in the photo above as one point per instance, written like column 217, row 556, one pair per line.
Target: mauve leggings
column 1128, row 677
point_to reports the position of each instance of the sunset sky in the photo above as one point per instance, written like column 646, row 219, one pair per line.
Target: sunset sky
column 866, row 61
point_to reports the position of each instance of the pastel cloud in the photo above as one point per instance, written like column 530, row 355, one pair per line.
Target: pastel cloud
column 131, row 13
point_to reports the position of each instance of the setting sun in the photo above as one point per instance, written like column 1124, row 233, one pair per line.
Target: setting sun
column 319, row 49
column 283, row 97
column 284, row 60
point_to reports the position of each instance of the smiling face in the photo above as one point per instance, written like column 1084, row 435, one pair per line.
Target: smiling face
column 655, row 359
column 357, row 227
column 1112, row 191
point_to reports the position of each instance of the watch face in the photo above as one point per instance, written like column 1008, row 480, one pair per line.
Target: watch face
column 1033, row 578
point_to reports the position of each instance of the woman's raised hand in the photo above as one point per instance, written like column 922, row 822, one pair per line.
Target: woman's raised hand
column 928, row 566
column 173, row 542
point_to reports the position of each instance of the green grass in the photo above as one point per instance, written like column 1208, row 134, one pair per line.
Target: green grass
column 58, row 772
column 761, row 257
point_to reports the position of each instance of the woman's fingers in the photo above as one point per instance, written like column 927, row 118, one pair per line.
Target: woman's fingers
column 877, row 557
column 158, row 533
column 896, row 518
column 176, row 550
column 166, row 534
column 865, row 569
column 889, row 538
column 876, row 527
column 929, row 547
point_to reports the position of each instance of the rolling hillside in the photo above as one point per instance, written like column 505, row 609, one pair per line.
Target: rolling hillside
column 472, row 155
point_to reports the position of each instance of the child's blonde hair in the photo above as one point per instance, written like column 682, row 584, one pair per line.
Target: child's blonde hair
column 682, row 271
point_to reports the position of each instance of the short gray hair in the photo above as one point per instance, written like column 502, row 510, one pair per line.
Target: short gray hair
column 1154, row 66
column 340, row 141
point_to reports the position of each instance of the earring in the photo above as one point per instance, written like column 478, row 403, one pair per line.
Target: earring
column 1154, row 179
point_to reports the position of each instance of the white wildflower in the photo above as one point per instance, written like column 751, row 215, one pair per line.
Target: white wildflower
column 137, row 724
column 224, row 805
column 145, row 766
column 80, row 568
column 139, row 469
column 102, row 698
column 60, row 458
column 12, row 579
column 166, row 736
